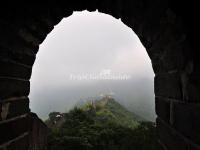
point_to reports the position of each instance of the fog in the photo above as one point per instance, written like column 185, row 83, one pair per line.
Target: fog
column 87, row 44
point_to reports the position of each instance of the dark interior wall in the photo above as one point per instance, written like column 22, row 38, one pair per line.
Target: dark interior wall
column 165, row 28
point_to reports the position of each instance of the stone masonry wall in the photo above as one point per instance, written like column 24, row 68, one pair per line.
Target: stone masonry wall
column 164, row 27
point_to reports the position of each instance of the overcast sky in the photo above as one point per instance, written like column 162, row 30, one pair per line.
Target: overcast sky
column 90, row 43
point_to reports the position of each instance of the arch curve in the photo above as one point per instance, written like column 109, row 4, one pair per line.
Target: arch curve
column 162, row 28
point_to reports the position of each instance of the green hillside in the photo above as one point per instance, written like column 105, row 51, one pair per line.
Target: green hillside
column 99, row 125
column 107, row 109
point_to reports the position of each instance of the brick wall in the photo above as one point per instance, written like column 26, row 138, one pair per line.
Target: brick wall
column 165, row 29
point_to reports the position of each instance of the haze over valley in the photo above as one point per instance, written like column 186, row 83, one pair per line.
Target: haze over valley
column 89, row 43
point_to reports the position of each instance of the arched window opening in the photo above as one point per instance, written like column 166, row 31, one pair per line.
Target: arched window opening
column 89, row 57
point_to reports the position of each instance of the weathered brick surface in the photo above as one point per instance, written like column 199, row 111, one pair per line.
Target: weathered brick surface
column 27, row 36
column 13, row 129
column 163, row 109
column 38, row 133
column 15, row 108
column 20, row 144
column 159, row 146
column 192, row 147
column 186, row 120
column 15, row 56
column 168, row 85
column 193, row 87
column 10, row 40
column 13, row 88
column 12, row 69
column 37, row 29
column 171, row 140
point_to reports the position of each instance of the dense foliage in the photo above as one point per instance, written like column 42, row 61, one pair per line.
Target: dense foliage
column 81, row 131
column 107, row 109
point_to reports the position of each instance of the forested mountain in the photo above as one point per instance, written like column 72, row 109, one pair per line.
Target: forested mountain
column 99, row 125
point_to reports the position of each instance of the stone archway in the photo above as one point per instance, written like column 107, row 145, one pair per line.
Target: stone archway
column 162, row 28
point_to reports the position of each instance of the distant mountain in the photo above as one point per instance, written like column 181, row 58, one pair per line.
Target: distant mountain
column 107, row 109
column 102, row 124
column 103, row 110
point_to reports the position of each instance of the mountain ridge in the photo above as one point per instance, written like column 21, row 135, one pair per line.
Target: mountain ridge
column 103, row 110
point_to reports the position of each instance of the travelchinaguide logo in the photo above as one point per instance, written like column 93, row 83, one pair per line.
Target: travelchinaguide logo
column 105, row 74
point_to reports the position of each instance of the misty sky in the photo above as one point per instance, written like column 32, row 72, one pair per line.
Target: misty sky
column 90, row 43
